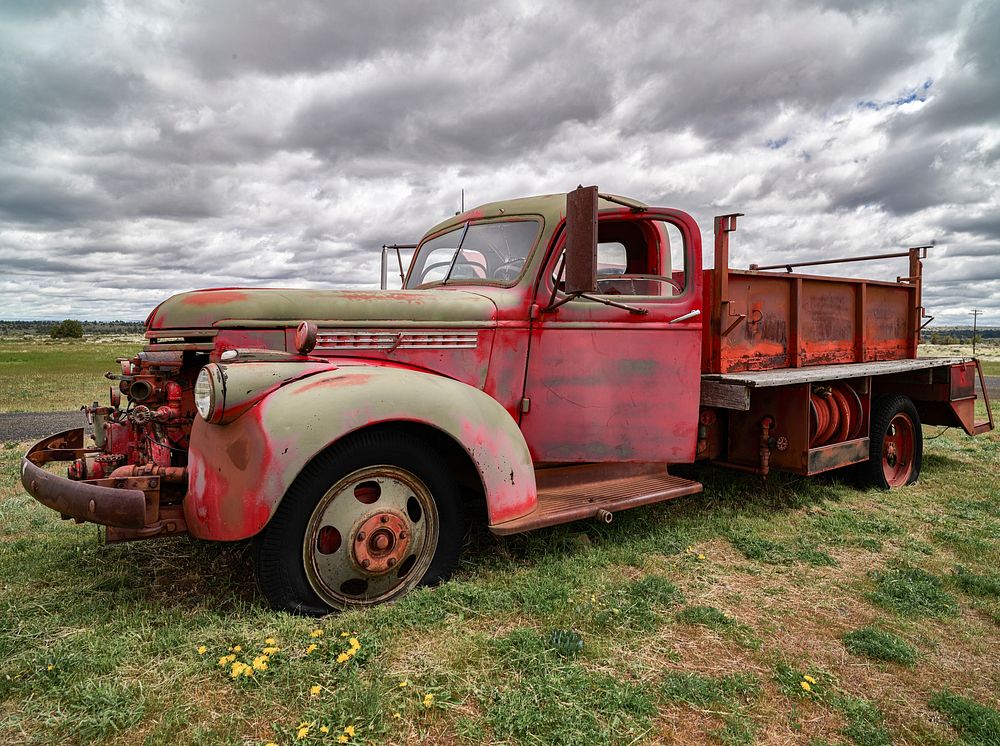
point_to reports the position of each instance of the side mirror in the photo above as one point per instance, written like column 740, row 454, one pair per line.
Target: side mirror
column 581, row 240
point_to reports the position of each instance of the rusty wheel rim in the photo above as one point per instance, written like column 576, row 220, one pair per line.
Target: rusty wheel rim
column 371, row 537
column 897, row 450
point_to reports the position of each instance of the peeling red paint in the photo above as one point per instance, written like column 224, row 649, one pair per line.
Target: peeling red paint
column 214, row 296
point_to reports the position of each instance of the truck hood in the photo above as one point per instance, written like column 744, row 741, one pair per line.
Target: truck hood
column 262, row 307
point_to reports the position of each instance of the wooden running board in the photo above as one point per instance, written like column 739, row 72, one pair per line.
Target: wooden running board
column 576, row 492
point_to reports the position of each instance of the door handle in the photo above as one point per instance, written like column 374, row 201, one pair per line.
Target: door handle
column 685, row 317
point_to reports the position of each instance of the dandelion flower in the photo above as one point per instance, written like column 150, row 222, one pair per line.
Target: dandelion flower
column 226, row 660
column 270, row 650
column 343, row 658
column 49, row 667
column 202, row 650
column 316, row 633
column 701, row 556
column 315, row 689
column 260, row 663
column 324, row 729
column 270, row 641
column 404, row 683
column 805, row 685
column 270, row 743
column 342, row 738
column 312, row 647
column 349, row 730
column 354, row 643
column 302, row 733
column 810, row 679
column 345, row 634
column 236, row 649
column 396, row 715
column 428, row 700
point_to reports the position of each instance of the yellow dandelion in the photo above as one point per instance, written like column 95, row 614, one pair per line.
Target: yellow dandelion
column 315, row 689
column 311, row 648
column 342, row 739
column 226, row 660
column 270, row 743
column 349, row 730
column 236, row 669
column 236, row 649
column 428, row 700
column 810, row 679
column 701, row 556
column 202, row 650
column 270, row 650
column 260, row 663
column 270, row 641
column 397, row 715
column 49, row 667
column 345, row 634
column 324, row 729
column 805, row 685
column 354, row 643
column 302, row 733
column 316, row 633
column 343, row 658
column 404, row 683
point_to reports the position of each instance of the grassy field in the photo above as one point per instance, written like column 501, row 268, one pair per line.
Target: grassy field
column 791, row 611
column 53, row 375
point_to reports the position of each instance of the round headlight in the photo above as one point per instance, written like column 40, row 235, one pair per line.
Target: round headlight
column 205, row 392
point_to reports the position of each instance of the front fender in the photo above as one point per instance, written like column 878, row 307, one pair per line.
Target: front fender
column 239, row 472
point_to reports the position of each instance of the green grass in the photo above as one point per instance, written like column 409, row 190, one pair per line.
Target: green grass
column 911, row 591
column 977, row 723
column 43, row 375
column 700, row 619
column 880, row 645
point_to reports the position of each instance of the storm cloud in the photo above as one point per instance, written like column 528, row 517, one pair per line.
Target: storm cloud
column 147, row 149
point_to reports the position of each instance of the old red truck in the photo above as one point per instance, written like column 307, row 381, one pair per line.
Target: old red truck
column 546, row 361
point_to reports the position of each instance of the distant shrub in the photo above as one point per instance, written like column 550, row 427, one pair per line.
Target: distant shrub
column 68, row 329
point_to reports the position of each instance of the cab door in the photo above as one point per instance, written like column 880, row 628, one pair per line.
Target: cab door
column 615, row 376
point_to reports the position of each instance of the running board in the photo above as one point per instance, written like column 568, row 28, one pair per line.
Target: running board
column 573, row 493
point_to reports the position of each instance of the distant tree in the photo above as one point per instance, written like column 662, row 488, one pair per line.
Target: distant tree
column 67, row 329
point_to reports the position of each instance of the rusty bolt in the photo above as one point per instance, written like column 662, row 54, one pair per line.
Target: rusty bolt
column 366, row 562
column 403, row 534
column 391, row 561
column 361, row 535
column 385, row 519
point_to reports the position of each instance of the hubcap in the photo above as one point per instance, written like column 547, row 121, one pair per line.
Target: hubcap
column 371, row 537
column 897, row 450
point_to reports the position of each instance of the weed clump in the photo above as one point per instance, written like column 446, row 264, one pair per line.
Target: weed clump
column 721, row 622
column 977, row 724
column 874, row 643
column 976, row 585
column 864, row 722
column 911, row 591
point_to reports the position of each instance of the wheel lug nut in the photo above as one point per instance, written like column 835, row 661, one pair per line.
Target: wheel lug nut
column 391, row 561
column 403, row 534
column 366, row 563
column 385, row 519
column 361, row 535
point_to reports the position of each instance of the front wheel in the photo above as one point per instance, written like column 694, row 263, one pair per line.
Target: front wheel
column 896, row 444
column 365, row 522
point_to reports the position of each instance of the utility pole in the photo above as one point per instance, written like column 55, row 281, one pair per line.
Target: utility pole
column 974, row 313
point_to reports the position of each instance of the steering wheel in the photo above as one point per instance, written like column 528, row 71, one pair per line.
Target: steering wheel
column 449, row 263
column 509, row 270
column 660, row 278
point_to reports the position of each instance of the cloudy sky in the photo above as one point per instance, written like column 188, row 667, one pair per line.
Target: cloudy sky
column 152, row 147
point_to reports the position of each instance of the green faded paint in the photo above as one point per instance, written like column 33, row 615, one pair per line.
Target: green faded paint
column 244, row 383
column 239, row 472
column 278, row 307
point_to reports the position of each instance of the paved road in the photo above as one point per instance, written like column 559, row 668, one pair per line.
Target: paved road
column 28, row 425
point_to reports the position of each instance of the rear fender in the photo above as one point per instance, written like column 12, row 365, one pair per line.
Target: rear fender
column 239, row 472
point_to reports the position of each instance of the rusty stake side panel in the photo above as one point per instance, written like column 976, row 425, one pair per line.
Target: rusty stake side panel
column 765, row 320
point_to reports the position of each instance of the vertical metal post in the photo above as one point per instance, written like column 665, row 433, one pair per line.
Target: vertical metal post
column 724, row 225
column 385, row 268
column 975, row 318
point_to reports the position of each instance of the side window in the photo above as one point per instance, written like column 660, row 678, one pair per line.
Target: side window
column 638, row 257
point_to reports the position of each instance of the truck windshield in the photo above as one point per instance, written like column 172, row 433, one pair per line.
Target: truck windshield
column 489, row 252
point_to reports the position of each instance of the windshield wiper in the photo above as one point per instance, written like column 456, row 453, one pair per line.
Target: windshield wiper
column 458, row 251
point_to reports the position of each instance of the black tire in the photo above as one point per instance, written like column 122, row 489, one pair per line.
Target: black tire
column 891, row 461
column 281, row 553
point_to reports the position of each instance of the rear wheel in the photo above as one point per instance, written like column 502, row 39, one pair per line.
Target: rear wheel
column 896, row 444
column 367, row 521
